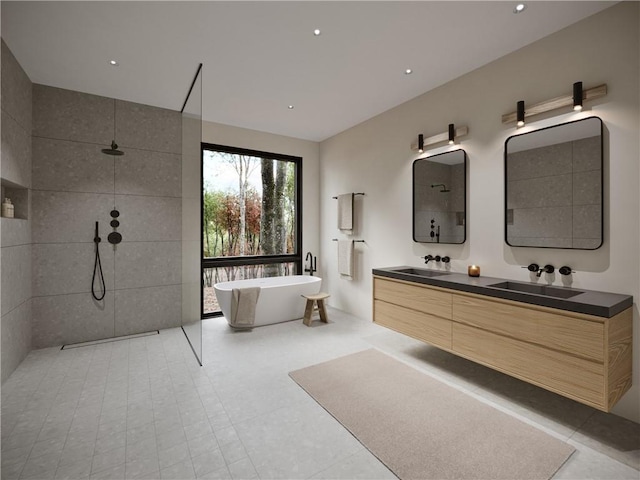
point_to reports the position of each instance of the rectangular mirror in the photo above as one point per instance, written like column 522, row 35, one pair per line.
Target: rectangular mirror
column 553, row 186
column 440, row 198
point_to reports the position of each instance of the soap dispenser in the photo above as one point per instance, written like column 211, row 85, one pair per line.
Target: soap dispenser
column 7, row 208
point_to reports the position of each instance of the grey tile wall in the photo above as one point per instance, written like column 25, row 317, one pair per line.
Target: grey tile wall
column 75, row 185
column 73, row 318
column 144, row 309
column 541, row 192
column 67, row 166
column 142, row 172
column 16, row 276
column 16, row 337
column 16, row 89
column 60, row 217
column 15, row 232
column 540, row 162
column 144, row 264
column 148, row 128
column 69, row 115
column 15, row 239
column 63, row 268
column 147, row 219
column 16, row 151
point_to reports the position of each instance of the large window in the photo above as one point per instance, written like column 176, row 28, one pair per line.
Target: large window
column 251, row 217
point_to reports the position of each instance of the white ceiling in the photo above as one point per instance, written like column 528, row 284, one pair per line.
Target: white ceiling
column 260, row 57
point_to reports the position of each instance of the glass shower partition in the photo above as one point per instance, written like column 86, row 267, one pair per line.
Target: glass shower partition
column 191, row 216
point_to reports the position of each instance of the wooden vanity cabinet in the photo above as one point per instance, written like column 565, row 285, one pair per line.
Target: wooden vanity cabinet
column 583, row 357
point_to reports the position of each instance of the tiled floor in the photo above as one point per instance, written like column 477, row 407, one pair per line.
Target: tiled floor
column 143, row 408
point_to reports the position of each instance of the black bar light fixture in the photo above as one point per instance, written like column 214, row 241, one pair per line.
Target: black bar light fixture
column 575, row 99
column 520, row 113
column 577, row 96
column 452, row 134
column 421, row 143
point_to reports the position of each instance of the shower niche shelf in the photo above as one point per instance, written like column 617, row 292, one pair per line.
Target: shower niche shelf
column 19, row 196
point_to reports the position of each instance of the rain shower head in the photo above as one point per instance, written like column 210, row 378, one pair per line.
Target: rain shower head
column 444, row 187
column 113, row 150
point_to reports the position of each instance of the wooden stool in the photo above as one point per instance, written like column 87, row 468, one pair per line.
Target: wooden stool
column 308, row 311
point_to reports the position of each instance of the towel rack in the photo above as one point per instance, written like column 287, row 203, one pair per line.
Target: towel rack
column 359, row 193
column 358, row 241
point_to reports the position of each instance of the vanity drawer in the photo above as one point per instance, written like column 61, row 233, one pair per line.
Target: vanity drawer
column 568, row 334
column 565, row 374
column 415, row 297
column 421, row 326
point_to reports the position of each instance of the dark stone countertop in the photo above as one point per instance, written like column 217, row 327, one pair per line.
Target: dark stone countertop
column 590, row 302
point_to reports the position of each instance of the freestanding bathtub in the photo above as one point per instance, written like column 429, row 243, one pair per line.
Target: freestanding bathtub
column 279, row 299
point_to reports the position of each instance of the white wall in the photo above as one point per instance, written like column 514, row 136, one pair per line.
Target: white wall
column 375, row 157
column 309, row 151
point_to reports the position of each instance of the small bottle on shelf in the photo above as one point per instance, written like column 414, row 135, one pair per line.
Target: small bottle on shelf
column 8, row 209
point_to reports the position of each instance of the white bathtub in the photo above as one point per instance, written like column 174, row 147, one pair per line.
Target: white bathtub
column 279, row 299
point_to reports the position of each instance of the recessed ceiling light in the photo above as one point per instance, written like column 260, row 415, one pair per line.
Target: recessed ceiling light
column 113, row 63
column 408, row 71
column 519, row 8
column 317, row 32
column 290, row 107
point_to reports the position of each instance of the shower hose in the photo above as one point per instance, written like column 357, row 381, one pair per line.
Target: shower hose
column 97, row 269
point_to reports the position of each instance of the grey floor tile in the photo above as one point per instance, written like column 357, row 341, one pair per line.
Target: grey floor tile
column 113, row 473
column 264, row 422
column 108, row 460
column 208, row 462
column 220, row 474
column 612, row 435
column 176, row 454
column 178, row 471
column 362, row 465
column 587, row 464
column 308, row 440
column 243, row 470
column 74, row 471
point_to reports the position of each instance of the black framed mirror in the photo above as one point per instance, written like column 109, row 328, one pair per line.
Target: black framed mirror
column 554, row 186
column 440, row 198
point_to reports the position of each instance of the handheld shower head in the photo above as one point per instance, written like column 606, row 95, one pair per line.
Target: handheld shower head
column 113, row 150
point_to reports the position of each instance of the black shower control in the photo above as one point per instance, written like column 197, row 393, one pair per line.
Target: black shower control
column 115, row 213
column 438, row 258
column 115, row 223
column 565, row 270
column 446, row 259
column 533, row 267
column 114, row 238
column 549, row 269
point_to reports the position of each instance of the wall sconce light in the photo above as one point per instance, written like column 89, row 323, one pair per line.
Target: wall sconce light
column 576, row 100
column 577, row 96
column 520, row 113
column 450, row 135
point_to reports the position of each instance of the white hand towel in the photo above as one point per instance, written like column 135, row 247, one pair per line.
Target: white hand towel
column 243, row 306
column 345, row 258
column 345, row 212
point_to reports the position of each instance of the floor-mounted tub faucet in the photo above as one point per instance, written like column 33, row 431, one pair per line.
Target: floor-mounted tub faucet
column 312, row 263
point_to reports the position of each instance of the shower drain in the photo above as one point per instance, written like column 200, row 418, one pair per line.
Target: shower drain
column 109, row 340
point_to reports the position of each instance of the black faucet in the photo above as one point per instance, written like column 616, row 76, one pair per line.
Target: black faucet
column 546, row 269
column 312, row 263
column 565, row 270
column 534, row 267
column 428, row 258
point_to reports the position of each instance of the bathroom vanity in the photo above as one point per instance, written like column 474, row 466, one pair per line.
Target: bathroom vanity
column 576, row 343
